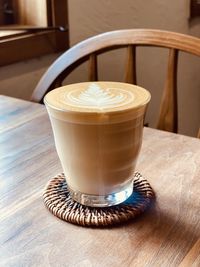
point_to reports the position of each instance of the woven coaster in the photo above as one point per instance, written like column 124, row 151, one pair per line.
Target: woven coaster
column 58, row 200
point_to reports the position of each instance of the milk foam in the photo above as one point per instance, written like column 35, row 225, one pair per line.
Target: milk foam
column 96, row 97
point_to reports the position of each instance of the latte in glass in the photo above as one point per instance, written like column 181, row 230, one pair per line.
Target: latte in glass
column 98, row 129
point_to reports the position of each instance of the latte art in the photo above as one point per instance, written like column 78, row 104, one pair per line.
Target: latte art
column 96, row 97
column 91, row 100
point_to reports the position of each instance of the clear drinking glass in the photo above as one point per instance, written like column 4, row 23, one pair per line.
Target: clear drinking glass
column 98, row 135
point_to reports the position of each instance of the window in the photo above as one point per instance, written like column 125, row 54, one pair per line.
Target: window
column 33, row 28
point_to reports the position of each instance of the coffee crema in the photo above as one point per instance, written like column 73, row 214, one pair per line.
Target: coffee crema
column 98, row 97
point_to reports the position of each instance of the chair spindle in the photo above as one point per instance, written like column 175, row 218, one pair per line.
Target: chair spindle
column 130, row 74
column 58, row 82
column 93, row 76
column 168, row 118
column 198, row 135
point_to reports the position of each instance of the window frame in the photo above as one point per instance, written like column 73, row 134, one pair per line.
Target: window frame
column 26, row 45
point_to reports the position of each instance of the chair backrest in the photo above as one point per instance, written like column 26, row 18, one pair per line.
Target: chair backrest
column 92, row 47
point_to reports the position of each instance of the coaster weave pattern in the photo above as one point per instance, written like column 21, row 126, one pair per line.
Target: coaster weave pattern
column 58, row 200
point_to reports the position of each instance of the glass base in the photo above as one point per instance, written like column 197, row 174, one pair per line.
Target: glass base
column 102, row 200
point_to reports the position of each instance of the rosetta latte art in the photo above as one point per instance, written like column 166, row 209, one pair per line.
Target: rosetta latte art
column 96, row 97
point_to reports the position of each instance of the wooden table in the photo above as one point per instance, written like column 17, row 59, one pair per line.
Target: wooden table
column 166, row 235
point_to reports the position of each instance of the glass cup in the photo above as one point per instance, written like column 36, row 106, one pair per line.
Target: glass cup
column 98, row 135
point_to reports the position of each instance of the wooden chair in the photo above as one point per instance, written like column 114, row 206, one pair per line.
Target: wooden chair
column 92, row 47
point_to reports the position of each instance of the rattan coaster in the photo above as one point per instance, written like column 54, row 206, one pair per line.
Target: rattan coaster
column 58, row 200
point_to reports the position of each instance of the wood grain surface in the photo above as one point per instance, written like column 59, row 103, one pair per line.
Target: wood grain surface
column 167, row 234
